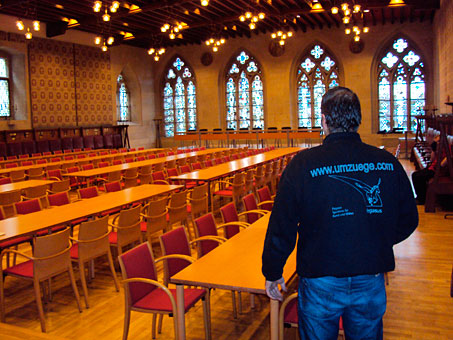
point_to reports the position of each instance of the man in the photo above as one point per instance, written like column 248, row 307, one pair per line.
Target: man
column 350, row 203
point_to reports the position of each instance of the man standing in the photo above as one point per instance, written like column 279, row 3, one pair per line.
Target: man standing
column 350, row 203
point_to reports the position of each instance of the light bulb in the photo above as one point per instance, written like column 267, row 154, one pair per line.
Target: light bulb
column 176, row 29
column 97, row 40
column 211, row 40
column 110, row 40
column 347, row 31
column 222, row 41
column 20, row 25
column 204, row 2
column 151, row 51
column 261, row 16
column 290, row 34
column 284, row 36
column 97, row 6
column 252, row 26
column 28, row 35
column 282, row 42
column 347, row 12
column 346, row 20
column 334, row 10
column 112, row 9
column 172, row 36
column 106, row 16
column 255, row 19
column 242, row 18
column 208, row 42
column 162, row 51
column 36, row 25
column 248, row 15
column 366, row 29
column 167, row 26
column 356, row 8
column 357, row 38
column 163, row 29
column 156, row 58
column 355, row 28
column 344, row 6
column 273, row 35
column 215, row 48
column 279, row 33
column 104, row 48
column 180, row 26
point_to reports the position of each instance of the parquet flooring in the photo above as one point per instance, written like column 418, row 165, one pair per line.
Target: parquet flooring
column 419, row 303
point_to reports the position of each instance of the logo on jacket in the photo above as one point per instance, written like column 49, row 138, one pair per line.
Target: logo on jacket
column 369, row 193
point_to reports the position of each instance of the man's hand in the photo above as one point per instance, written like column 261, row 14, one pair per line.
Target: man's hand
column 273, row 291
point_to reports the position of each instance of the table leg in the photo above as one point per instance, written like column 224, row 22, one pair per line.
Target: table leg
column 274, row 319
column 180, row 311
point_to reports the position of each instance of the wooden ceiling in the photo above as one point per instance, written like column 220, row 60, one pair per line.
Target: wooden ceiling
column 220, row 18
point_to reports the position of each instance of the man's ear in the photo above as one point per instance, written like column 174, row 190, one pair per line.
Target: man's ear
column 324, row 124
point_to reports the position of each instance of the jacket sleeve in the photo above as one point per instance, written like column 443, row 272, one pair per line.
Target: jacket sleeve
column 282, row 229
column 407, row 208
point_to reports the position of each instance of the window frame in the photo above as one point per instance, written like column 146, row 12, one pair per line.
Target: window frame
column 337, row 67
column 236, row 78
column 8, row 80
column 118, row 96
column 173, row 82
column 386, row 48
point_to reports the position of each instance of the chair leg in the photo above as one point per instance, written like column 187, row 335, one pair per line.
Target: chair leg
column 83, row 281
column 159, row 327
column 154, row 326
column 127, row 318
column 37, row 289
column 74, row 286
column 239, row 303
column 112, row 269
column 233, row 298
column 252, row 301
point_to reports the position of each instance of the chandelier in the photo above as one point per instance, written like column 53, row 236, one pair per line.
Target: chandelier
column 174, row 29
column 252, row 18
column 215, row 43
column 281, row 36
column 104, row 42
column 157, row 52
column 352, row 17
column 21, row 27
column 97, row 6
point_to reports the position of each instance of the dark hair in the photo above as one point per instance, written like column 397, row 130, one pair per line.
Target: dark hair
column 341, row 107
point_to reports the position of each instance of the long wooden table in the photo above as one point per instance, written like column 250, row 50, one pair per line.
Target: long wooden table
column 23, row 225
column 121, row 167
column 234, row 265
column 23, row 185
column 226, row 169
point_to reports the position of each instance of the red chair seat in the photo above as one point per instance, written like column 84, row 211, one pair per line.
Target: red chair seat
column 158, row 299
column 54, row 230
column 24, row 269
column 113, row 237
column 189, row 208
column 14, row 242
column 143, row 226
column 224, row 192
column 74, row 252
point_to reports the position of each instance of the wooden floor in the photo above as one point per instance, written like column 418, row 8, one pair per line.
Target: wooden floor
column 419, row 302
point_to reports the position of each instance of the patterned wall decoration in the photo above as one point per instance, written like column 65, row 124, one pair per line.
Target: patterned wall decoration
column 93, row 86
column 52, row 83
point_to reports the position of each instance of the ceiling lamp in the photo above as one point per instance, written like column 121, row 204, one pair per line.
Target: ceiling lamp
column 176, row 28
column 71, row 22
column 215, row 43
column 97, row 6
column 21, row 26
column 252, row 18
column 353, row 13
column 106, row 16
column 104, row 42
column 396, row 3
column 104, row 47
column 114, row 7
column 204, row 2
column 282, row 36
column 28, row 34
column 316, row 7
column 157, row 52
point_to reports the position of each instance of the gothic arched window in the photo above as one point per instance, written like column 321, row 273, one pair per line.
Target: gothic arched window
column 317, row 72
column 180, row 104
column 124, row 110
column 401, row 86
column 5, row 95
column 244, row 93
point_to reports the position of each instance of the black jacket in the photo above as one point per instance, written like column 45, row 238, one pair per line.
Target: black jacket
column 350, row 203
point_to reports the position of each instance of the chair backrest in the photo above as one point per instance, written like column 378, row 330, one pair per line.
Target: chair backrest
column 5, row 180
column 177, row 207
column 172, row 172
column 55, row 174
column 174, row 242
column 138, row 263
column 157, row 216
column 158, row 167
column 208, row 163
column 117, row 162
column 36, row 154
column 55, row 159
column 27, row 207
column 199, row 200
column 250, row 204
column 205, row 226
column 112, row 186
column 264, row 194
column 144, row 174
column 7, row 200
column 184, row 168
column 129, row 160
column 87, row 166
column 128, row 230
column 68, row 158
column 130, row 177
column 54, row 251
column 26, row 163
column 17, row 175
column 151, row 156
column 196, row 166
column 114, row 176
column 249, row 180
column 88, row 192
column 11, row 165
column 39, row 192
column 170, row 164
column 103, row 164
column 94, row 236
column 229, row 214
column 41, row 161
column 61, row 186
column 36, row 173
column 158, row 176
column 141, row 158
column 60, row 198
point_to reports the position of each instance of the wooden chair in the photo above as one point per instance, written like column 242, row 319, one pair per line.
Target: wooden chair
column 7, row 200
column 39, row 192
column 266, row 201
column 50, row 258
column 138, row 266
column 287, row 317
column 126, row 228
column 154, row 214
column 17, row 175
column 5, row 180
column 249, row 181
column 62, row 198
column 198, row 202
column 130, row 178
column 170, row 164
column 159, row 177
column 177, row 208
column 251, row 207
column 259, row 177
column 59, row 186
column 231, row 223
column 232, row 189
column 144, row 174
column 36, row 173
column 92, row 242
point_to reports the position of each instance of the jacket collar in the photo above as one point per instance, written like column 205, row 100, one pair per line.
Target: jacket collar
column 342, row 136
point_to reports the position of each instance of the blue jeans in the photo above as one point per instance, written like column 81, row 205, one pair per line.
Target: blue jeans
column 360, row 300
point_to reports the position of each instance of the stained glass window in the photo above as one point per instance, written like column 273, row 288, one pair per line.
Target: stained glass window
column 123, row 100
column 244, row 93
column 4, row 88
column 179, row 96
column 317, row 72
column 401, row 87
